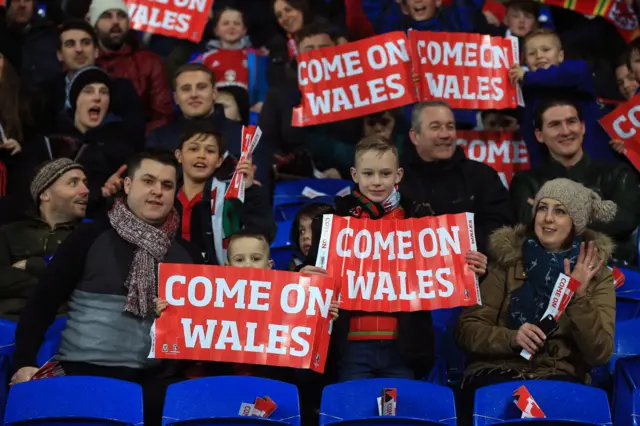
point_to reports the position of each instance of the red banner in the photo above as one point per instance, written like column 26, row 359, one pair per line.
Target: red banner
column 623, row 124
column 505, row 152
column 400, row 265
column 243, row 315
column 172, row 18
column 468, row 71
column 354, row 79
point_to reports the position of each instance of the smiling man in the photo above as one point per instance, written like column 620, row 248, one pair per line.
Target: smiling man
column 560, row 127
column 438, row 175
column 60, row 195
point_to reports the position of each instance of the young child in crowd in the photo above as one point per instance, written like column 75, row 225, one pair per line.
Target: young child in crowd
column 634, row 59
column 548, row 73
column 207, row 219
column 301, row 232
column 366, row 345
column 521, row 18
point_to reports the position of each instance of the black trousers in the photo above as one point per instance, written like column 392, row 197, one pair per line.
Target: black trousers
column 488, row 377
column 154, row 384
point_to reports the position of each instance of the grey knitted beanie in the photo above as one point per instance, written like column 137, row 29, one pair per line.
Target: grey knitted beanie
column 49, row 173
column 583, row 205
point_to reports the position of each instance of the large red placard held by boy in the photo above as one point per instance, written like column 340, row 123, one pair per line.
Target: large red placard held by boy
column 469, row 71
column 354, row 79
column 505, row 152
column 624, row 124
column 183, row 19
column 400, row 265
column 243, row 315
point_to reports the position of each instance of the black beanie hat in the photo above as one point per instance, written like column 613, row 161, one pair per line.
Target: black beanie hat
column 83, row 78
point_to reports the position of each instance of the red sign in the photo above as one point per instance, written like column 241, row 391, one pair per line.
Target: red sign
column 505, row 152
column 172, row 18
column 250, row 137
column 400, row 265
column 354, row 79
column 623, row 124
column 525, row 402
column 467, row 71
column 243, row 315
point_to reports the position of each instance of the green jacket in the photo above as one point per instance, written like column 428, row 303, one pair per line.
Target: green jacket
column 612, row 181
column 31, row 240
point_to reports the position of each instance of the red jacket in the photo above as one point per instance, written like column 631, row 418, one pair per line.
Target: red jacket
column 146, row 71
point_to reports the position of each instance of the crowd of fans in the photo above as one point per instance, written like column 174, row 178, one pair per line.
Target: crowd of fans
column 138, row 134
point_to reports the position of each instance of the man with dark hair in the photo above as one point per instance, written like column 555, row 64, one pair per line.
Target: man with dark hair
column 60, row 195
column 78, row 49
column 107, row 272
column 195, row 94
column 560, row 127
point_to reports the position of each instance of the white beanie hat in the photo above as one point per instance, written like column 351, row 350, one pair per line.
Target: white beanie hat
column 98, row 7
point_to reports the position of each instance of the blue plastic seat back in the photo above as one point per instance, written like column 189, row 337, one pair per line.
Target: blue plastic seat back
column 281, row 258
column 445, row 322
column 287, row 207
column 217, row 400
column 626, row 341
column 560, row 401
column 628, row 296
column 294, row 188
column 88, row 400
column 626, row 382
column 357, row 400
column 283, row 235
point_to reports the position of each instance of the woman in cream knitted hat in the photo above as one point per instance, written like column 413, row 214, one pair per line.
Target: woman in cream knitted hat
column 526, row 263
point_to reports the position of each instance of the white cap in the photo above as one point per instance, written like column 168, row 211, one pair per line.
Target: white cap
column 98, row 7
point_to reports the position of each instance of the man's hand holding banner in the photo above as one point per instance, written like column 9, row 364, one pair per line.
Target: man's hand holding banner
column 400, row 265
column 243, row 315
column 624, row 124
column 376, row 74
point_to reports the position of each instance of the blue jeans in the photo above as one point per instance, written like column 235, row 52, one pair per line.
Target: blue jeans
column 368, row 359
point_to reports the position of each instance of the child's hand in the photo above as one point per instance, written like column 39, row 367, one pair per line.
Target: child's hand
column 161, row 305
column 516, row 74
column 334, row 310
column 416, row 78
column 246, row 168
column 617, row 145
column 477, row 262
column 313, row 270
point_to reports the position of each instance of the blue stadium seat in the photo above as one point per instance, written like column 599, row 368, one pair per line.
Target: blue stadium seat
column 217, row 400
column 625, row 384
column 562, row 403
column 88, row 401
column 419, row 403
column 628, row 296
column 626, row 341
column 281, row 248
column 288, row 198
column 445, row 322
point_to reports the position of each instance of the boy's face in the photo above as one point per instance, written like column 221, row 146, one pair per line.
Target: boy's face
column 519, row 22
column 304, row 234
column 249, row 252
column 421, row 10
column 200, row 157
column 635, row 64
column 543, row 51
column 376, row 174
column 627, row 83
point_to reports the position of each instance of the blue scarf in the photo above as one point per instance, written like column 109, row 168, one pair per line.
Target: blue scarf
column 529, row 302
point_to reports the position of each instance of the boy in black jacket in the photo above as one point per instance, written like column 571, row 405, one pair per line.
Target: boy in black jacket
column 206, row 218
column 367, row 345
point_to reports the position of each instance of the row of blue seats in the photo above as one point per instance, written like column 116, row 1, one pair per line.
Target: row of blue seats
column 217, row 400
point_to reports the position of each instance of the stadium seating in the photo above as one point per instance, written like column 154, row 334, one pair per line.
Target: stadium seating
column 447, row 351
column 626, row 381
column 628, row 296
column 88, row 401
column 217, row 400
column 288, row 196
column 562, row 403
column 355, row 403
column 281, row 248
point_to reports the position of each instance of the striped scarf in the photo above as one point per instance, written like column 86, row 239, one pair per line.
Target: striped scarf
column 373, row 210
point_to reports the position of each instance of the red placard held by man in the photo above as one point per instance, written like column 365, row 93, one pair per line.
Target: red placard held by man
column 243, row 315
column 467, row 71
column 183, row 19
column 623, row 124
column 354, row 79
column 400, row 265
column 505, row 152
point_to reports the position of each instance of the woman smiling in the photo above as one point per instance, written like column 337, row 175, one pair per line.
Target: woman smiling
column 526, row 262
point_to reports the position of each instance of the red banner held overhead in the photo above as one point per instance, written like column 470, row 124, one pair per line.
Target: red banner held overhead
column 505, row 152
column 400, row 265
column 624, row 124
column 183, row 19
column 353, row 79
column 242, row 315
column 467, row 71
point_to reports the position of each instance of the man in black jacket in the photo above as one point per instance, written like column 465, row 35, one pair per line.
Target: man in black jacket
column 559, row 125
column 78, row 49
column 438, row 175
column 107, row 272
column 195, row 95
